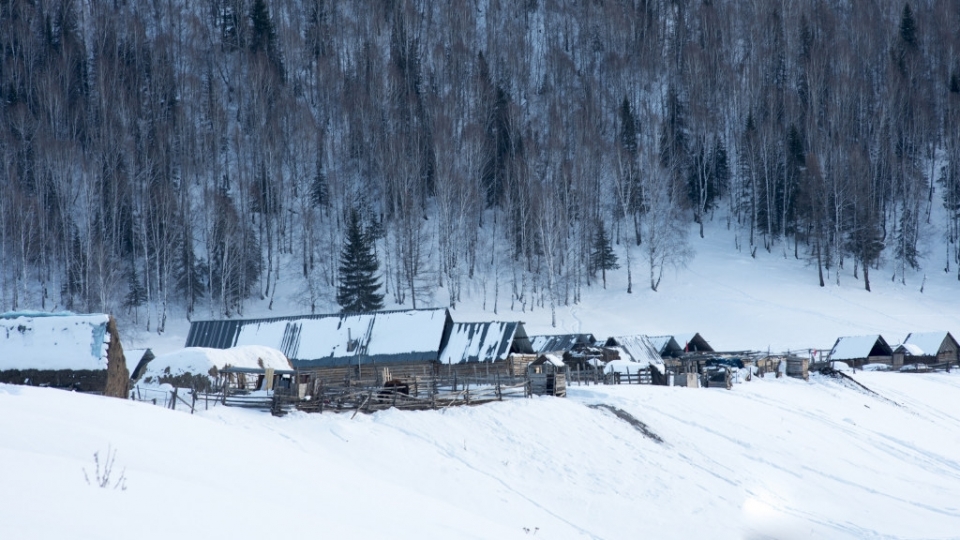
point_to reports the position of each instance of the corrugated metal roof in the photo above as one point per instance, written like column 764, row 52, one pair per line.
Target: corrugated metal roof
column 560, row 343
column 484, row 342
column 337, row 339
column 638, row 348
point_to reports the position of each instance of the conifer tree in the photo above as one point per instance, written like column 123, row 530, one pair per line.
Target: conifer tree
column 602, row 257
column 359, row 288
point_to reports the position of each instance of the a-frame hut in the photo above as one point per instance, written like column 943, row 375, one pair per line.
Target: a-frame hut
column 926, row 348
column 857, row 351
column 692, row 343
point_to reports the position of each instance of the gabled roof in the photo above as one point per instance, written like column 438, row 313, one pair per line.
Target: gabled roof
column 929, row 343
column 666, row 345
column 560, row 343
column 53, row 341
column 337, row 339
column 137, row 360
column 856, row 347
column 638, row 348
column 484, row 342
column 909, row 349
column 692, row 342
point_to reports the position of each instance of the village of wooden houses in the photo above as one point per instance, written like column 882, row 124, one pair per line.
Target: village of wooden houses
column 410, row 359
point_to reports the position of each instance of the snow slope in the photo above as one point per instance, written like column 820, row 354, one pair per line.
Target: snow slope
column 772, row 458
column 736, row 301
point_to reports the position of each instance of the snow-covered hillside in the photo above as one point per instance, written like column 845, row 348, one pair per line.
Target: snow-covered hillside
column 773, row 458
column 736, row 301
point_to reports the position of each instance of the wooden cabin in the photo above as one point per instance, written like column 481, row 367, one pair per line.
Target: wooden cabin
column 63, row 350
column 857, row 351
column 548, row 376
column 926, row 348
column 579, row 351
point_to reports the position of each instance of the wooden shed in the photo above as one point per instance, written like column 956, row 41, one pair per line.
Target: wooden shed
column 926, row 348
column 548, row 376
column 856, row 351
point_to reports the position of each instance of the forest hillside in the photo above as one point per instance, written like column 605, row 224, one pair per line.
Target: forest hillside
column 188, row 157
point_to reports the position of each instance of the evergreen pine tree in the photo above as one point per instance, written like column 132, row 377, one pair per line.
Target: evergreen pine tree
column 908, row 27
column 136, row 290
column 602, row 257
column 359, row 286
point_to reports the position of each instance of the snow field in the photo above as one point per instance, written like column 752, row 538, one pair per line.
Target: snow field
column 776, row 458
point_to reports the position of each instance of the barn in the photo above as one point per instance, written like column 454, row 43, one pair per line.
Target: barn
column 477, row 347
column 63, row 350
column 342, row 346
column 926, row 348
column 642, row 349
column 857, row 351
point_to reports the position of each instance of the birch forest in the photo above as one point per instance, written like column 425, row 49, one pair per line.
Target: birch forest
column 171, row 157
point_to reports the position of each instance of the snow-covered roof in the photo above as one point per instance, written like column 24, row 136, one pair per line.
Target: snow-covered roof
column 551, row 358
column 638, row 348
column 484, row 342
column 331, row 340
column 563, row 342
column 204, row 361
column 855, row 347
column 54, row 341
column 929, row 343
column 910, row 349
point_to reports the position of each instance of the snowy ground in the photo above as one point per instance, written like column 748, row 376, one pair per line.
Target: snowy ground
column 772, row 458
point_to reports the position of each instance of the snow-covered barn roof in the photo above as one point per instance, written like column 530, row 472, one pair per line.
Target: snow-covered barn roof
column 53, row 341
column 563, row 342
column 856, row 347
column 639, row 348
column 206, row 361
column 484, row 342
column 929, row 343
column 332, row 340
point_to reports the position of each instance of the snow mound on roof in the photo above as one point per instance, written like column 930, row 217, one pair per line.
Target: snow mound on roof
column 927, row 342
column 912, row 349
column 625, row 366
column 203, row 361
column 36, row 340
